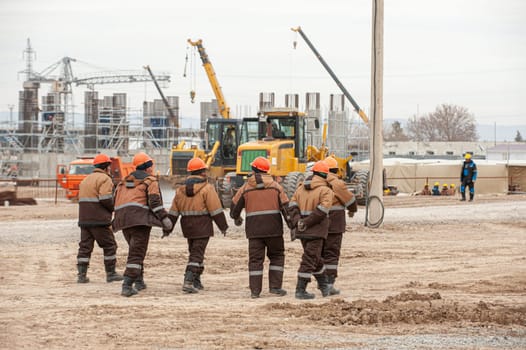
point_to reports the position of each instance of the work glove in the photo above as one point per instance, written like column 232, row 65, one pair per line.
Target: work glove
column 238, row 221
column 350, row 214
column 223, row 232
column 167, row 224
column 301, row 226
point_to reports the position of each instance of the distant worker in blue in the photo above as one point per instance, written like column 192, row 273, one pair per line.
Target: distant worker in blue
column 468, row 175
column 436, row 189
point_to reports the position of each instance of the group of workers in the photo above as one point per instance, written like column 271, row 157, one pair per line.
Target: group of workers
column 468, row 176
column 436, row 190
column 315, row 215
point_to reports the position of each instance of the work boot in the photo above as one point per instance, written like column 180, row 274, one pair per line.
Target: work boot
column 278, row 291
column 111, row 275
column 463, row 199
column 471, row 196
column 332, row 290
column 301, row 292
column 127, row 287
column 139, row 284
column 197, row 281
column 83, row 270
column 323, row 284
column 188, row 285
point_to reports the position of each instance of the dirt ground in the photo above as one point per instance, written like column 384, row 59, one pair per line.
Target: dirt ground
column 438, row 274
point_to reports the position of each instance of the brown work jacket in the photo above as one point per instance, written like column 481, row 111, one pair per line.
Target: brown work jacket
column 263, row 200
column 96, row 199
column 312, row 202
column 343, row 199
column 138, row 202
column 425, row 192
column 198, row 205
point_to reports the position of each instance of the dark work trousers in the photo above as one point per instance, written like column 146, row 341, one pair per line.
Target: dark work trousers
column 467, row 183
column 311, row 261
column 275, row 249
column 331, row 253
column 105, row 239
column 196, row 254
column 137, row 238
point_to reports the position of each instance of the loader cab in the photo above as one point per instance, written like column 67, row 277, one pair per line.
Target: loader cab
column 226, row 131
column 249, row 130
column 285, row 127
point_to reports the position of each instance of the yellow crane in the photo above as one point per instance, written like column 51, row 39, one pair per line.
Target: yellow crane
column 224, row 110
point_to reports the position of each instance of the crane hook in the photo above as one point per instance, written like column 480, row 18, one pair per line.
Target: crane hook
column 185, row 64
column 192, row 96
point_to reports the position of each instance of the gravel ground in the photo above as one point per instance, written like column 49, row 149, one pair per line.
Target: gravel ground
column 438, row 274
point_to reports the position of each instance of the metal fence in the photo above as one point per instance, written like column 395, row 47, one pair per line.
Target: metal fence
column 37, row 188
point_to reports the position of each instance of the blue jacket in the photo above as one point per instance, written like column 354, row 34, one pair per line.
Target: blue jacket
column 469, row 171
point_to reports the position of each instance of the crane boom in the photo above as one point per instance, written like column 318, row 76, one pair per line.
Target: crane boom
column 224, row 110
column 334, row 77
column 173, row 117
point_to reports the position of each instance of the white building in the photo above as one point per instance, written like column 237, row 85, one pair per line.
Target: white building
column 507, row 152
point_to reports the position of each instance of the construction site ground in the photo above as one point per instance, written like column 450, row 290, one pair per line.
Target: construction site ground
column 438, row 274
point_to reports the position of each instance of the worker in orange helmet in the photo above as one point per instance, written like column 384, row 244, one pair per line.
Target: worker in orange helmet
column 138, row 207
column 343, row 200
column 309, row 211
column 198, row 204
column 264, row 201
column 95, row 213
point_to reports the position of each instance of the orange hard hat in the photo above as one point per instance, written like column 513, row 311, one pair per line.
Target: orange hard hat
column 261, row 163
column 195, row 164
column 141, row 158
column 321, row 167
column 331, row 162
column 101, row 159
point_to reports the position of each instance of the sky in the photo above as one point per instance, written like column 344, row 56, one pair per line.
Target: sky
column 470, row 53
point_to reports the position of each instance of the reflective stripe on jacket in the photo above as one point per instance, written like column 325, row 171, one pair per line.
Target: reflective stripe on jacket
column 343, row 199
column 312, row 202
column 138, row 202
column 262, row 198
column 198, row 204
column 96, row 199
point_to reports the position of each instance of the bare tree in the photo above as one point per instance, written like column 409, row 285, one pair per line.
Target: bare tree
column 395, row 132
column 446, row 123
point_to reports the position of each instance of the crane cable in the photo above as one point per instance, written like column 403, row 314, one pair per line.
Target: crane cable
column 192, row 71
column 373, row 199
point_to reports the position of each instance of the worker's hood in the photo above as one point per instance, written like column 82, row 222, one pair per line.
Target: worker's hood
column 331, row 178
column 136, row 178
column 313, row 182
column 194, row 184
column 259, row 180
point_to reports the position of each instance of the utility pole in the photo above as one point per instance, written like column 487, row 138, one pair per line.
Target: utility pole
column 374, row 217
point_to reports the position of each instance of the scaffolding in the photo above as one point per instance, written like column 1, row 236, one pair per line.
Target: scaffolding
column 159, row 130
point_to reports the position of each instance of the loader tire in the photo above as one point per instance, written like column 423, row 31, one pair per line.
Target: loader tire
column 225, row 193
column 291, row 182
column 359, row 185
